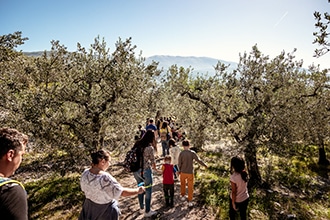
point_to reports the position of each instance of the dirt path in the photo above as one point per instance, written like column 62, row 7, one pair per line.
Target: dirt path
column 130, row 206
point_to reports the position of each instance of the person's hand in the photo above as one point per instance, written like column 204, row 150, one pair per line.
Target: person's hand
column 141, row 190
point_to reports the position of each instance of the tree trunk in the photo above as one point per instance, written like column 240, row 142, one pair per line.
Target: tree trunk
column 252, row 165
column 322, row 156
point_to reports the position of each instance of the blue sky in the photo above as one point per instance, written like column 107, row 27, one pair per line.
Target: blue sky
column 219, row 29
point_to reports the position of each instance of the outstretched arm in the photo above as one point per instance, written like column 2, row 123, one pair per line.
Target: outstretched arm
column 196, row 157
column 132, row 192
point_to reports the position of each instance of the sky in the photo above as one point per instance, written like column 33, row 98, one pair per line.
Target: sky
column 220, row 29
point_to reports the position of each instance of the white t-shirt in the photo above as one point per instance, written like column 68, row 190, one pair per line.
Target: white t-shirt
column 242, row 191
column 175, row 153
column 100, row 188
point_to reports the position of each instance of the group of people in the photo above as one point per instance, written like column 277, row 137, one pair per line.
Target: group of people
column 95, row 178
column 182, row 165
column 102, row 190
column 165, row 128
column 171, row 126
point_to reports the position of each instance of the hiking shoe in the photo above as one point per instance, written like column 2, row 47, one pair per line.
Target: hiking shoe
column 150, row 213
column 190, row 204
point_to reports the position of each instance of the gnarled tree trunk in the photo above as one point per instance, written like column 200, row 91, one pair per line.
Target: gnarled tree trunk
column 250, row 154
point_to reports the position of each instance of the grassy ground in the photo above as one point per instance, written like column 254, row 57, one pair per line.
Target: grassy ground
column 297, row 187
column 55, row 197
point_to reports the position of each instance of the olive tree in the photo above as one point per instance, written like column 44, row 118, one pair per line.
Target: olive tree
column 321, row 36
column 314, row 112
column 247, row 102
column 81, row 98
column 188, row 115
column 14, row 79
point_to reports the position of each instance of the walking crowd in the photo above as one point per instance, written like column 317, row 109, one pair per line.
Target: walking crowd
column 102, row 190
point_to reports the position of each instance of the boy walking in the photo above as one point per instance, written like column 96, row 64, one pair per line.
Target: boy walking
column 168, row 171
column 186, row 159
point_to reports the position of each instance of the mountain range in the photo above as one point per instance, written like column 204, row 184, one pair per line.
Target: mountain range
column 201, row 65
column 198, row 65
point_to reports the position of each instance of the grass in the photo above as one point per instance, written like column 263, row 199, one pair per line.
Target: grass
column 55, row 197
column 297, row 190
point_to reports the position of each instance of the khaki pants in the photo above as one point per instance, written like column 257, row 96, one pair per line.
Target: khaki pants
column 187, row 178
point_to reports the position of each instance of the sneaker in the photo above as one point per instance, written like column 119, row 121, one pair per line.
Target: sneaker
column 190, row 204
column 150, row 213
column 183, row 198
column 141, row 211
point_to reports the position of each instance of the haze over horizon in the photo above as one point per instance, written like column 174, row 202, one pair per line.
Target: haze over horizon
column 213, row 28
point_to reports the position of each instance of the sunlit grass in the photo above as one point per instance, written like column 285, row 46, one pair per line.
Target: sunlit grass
column 54, row 196
column 295, row 187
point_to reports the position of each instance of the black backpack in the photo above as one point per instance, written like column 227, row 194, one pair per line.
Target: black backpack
column 134, row 159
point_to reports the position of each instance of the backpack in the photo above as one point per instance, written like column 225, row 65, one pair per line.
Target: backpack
column 133, row 160
column 165, row 134
column 4, row 181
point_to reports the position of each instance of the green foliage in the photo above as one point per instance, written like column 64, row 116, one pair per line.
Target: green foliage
column 68, row 100
column 81, row 99
column 8, row 43
column 264, row 101
column 321, row 36
column 76, row 102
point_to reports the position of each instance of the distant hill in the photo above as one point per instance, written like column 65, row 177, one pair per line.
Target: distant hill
column 34, row 54
column 201, row 65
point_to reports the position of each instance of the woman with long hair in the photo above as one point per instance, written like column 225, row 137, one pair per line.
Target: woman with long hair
column 144, row 175
column 165, row 135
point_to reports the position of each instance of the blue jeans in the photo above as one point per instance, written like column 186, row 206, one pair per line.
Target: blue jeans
column 166, row 150
column 147, row 180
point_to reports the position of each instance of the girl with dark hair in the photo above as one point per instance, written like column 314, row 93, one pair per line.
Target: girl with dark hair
column 239, row 196
column 144, row 175
column 102, row 190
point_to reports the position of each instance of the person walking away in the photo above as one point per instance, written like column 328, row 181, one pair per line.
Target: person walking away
column 165, row 135
column 151, row 126
column 13, row 197
column 140, row 132
column 239, row 196
column 168, row 171
column 174, row 153
column 159, row 124
column 144, row 175
column 102, row 190
column 186, row 159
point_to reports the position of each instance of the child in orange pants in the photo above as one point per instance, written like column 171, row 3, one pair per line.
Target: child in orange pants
column 186, row 168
